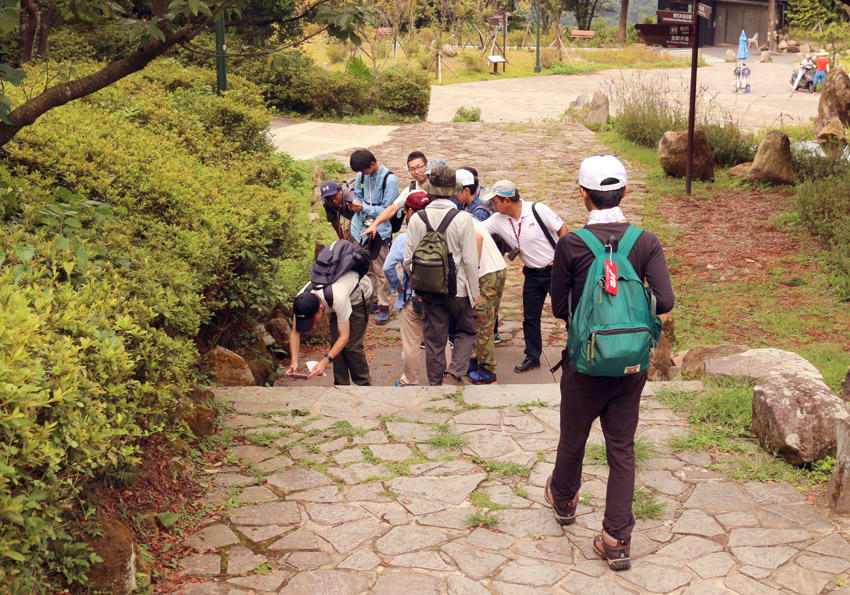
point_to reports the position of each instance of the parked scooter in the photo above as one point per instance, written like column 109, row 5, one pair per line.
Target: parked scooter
column 803, row 78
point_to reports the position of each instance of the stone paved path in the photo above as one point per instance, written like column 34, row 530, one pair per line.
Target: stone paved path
column 373, row 489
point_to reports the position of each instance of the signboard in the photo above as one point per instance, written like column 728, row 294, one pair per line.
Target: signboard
column 703, row 10
column 674, row 17
column 666, row 35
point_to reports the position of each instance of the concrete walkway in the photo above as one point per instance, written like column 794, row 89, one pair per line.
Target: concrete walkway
column 431, row 490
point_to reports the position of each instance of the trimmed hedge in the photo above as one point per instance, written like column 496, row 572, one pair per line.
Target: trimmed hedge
column 135, row 223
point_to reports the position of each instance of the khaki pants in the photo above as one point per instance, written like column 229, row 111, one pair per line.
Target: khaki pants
column 492, row 285
column 410, row 325
column 380, row 286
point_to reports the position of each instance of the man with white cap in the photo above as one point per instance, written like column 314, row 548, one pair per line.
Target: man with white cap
column 531, row 230
column 614, row 399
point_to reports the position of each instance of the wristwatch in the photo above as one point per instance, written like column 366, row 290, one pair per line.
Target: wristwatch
column 328, row 355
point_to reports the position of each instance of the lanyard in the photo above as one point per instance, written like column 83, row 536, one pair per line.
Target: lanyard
column 517, row 233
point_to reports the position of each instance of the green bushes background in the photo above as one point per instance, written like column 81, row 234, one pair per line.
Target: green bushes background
column 136, row 223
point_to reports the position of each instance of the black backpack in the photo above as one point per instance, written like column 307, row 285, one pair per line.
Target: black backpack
column 333, row 261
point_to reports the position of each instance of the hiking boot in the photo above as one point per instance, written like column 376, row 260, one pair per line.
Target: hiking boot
column 564, row 516
column 383, row 315
column 482, row 376
column 527, row 364
column 473, row 365
column 617, row 556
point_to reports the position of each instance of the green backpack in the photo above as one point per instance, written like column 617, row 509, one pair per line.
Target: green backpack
column 432, row 270
column 611, row 335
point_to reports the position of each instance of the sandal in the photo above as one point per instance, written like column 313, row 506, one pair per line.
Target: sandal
column 617, row 556
column 565, row 517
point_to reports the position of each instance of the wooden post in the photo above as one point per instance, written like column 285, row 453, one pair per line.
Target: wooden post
column 689, row 164
column 439, row 66
column 771, row 25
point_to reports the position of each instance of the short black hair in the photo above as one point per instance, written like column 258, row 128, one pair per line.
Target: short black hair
column 473, row 188
column 417, row 155
column 606, row 199
column 361, row 159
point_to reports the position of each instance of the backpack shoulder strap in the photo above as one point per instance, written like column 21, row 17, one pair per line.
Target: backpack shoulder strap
column 412, row 186
column 545, row 229
column 424, row 216
column 628, row 240
column 384, row 183
column 590, row 240
column 328, row 293
column 444, row 224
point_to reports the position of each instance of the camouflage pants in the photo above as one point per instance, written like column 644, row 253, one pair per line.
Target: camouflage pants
column 492, row 285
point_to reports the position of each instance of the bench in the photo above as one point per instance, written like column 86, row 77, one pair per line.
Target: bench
column 582, row 34
column 495, row 60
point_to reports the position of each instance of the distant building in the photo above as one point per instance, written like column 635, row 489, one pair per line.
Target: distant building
column 728, row 17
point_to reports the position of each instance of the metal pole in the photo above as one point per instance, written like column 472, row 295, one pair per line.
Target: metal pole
column 539, row 16
column 689, row 166
column 220, row 56
column 771, row 25
column 505, row 40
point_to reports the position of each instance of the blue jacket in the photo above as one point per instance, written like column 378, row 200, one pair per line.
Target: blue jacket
column 371, row 192
column 480, row 214
column 394, row 257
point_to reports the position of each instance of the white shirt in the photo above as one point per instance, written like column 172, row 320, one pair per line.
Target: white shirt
column 346, row 293
column 491, row 259
column 402, row 196
column 535, row 250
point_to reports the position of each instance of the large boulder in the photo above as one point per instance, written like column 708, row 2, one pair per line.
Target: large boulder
column 796, row 417
column 580, row 102
column 448, row 50
column 199, row 417
column 838, row 490
column 742, row 170
column 755, row 365
column 229, row 369
column 845, row 394
column 262, row 371
column 695, row 358
column 833, row 137
column 597, row 112
column 772, row 162
column 116, row 573
column 834, row 100
column 279, row 328
column 673, row 154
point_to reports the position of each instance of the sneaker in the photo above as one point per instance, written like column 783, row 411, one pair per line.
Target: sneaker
column 473, row 365
column 617, row 556
column 482, row 376
column 398, row 383
column 383, row 315
column 496, row 338
column 451, row 344
column 373, row 308
column 422, row 345
column 566, row 516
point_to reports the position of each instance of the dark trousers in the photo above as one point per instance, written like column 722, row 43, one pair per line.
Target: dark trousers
column 435, row 329
column 351, row 362
column 616, row 401
column 534, row 289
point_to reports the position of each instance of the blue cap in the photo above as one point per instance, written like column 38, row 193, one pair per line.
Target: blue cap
column 329, row 189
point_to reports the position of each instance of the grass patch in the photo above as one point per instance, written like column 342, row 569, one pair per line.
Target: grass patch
column 482, row 518
column 527, row 407
column 467, row 114
column 501, row 468
column 369, row 456
column 344, row 428
column 447, row 438
column 482, row 500
column 389, row 494
column 646, row 506
column 519, row 491
column 585, row 499
column 644, row 449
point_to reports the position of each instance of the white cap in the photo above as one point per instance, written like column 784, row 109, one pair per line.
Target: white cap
column 597, row 168
column 502, row 189
column 464, row 177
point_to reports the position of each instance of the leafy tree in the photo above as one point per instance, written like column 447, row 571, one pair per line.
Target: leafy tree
column 154, row 27
column 623, row 22
column 585, row 10
column 809, row 13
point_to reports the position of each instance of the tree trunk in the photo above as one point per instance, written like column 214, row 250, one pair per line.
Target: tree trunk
column 44, row 29
column 29, row 25
column 28, row 112
column 624, row 19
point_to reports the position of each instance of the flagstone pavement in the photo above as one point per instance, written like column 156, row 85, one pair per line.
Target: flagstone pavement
column 440, row 490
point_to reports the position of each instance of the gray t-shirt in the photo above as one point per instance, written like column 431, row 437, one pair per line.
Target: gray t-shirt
column 347, row 293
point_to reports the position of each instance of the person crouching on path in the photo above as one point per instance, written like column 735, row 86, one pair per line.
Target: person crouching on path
column 408, row 305
column 518, row 223
column 615, row 400
column 492, row 273
column 375, row 188
column 463, row 251
column 348, row 319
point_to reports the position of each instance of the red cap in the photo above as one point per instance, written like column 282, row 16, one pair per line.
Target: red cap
column 417, row 200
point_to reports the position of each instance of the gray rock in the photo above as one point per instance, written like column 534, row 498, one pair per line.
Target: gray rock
column 451, row 490
column 738, row 519
column 393, row 583
column 201, row 564
column 764, row 557
column 531, row 573
column 474, row 563
column 231, row 479
column 489, row 539
column 425, row 560
column 597, row 112
column 657, row 579
column 300, row 539
column 241, row 560
column 531, row 522
column 212, row 537
column 712, row 565
column 662, row 481
column 307, row 560
column 452, row 518
column 360, row 560
column 460, row 585
column 580, row 103
column 582, row 585
column 333, row 514
column 489, row 445
column 766, row 537
column 826, row 564
column 766, row 57
column 448, row 50
column 757, row 364
column 326, row 581
column 831, row 545
column 391, row 452
column 277, row 513
column 773, row 493
column 800, row 580
column 408, row 539
column 351, row 455
column 796, row 416
column 730, row 56
column 252, row 454
column 755, row 572
column 267, row 582
column 298, row 479
column 689, row 547
column 694, row 358
column 348, row 536
column 719, row 496
column 838, row 491
column 696, row 522
column 552, row 549
column 256, row 494
column 262, row 533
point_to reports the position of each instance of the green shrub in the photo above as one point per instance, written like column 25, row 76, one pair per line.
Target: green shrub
column 403, row 90
column 473, row 61
column 337, row 51
column 548, row 57
column 824, row 206
column 467, row 114
column 137, row 223
column 729, row 144
column 809, row 165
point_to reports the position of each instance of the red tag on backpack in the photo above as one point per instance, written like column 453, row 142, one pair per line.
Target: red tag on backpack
column 611, row 277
